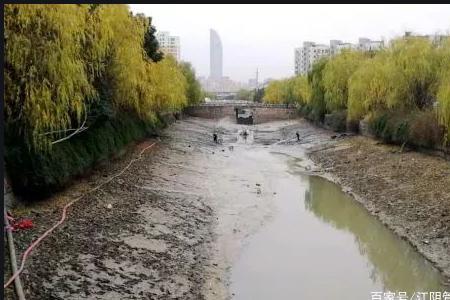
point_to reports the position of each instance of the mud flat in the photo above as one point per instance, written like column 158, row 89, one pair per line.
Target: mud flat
column 168, row 228
column 176, row 222
column 145, row 235
column 408, row 191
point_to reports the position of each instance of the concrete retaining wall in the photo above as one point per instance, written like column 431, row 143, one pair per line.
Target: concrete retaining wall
column 261, row 113
column 266, row 114
column 364, row 129
column 210, row 112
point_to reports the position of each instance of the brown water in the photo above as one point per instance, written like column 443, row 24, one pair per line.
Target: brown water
column 321, row 244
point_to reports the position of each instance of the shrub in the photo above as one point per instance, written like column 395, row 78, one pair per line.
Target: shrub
column 336, row 121
column 391, row 128
column 416, row 129
column 37, row 174
column 425, row 131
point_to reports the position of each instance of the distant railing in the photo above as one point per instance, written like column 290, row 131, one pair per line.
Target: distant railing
column 221, row 103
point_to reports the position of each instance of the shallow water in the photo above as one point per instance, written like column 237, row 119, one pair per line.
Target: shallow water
column 322, row 244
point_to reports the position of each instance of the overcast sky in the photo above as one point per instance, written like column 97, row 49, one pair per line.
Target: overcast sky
column 265, row 36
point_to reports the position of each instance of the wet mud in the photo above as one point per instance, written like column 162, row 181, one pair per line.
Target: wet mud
column 406, row 190
column 175, row 223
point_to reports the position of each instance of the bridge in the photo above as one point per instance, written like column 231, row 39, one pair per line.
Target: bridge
column 262, row 112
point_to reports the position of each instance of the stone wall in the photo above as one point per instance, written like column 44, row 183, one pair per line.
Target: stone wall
column 261, row 114
column 364, row 129
column 210, row 112
column 267, row 114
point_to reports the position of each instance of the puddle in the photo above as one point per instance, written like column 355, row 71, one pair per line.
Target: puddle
column 321, row 244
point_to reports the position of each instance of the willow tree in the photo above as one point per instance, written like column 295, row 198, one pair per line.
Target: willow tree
column 413, row 70
column 46, row 85
column 317, row 102
column 336, row 76
column 443, row 95
column 369, row 88
column 194, row 89
column 58, row 58
column 65, row 61
column 167, row 85
column 274, row 92
column 127, row 67
column 301, row 89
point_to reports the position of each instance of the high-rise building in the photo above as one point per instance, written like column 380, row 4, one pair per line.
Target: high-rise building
column 311, row 52
column 333, row 46
column 365, row 44
column 169, row 44
column 434, row 38
column 307, row 55
column 215, row 55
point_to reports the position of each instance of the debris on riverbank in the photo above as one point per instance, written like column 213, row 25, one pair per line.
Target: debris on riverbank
column 408, row 191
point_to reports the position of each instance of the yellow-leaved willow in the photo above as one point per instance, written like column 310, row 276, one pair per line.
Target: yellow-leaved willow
column 337, row 73
column 46, row 84
column 62, row 59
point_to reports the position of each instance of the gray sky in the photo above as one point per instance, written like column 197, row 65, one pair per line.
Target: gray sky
column 265, row 36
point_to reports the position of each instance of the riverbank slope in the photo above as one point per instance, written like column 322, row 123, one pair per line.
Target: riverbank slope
column 408, row 191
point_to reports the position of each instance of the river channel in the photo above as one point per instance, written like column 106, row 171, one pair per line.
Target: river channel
column 317, row 242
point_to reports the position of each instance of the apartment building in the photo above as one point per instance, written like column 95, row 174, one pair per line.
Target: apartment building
column 333, row 46
column 169, row 44
column 307, row 55
column 343, row 46
column 311, row 52
column 436, row 39
column 365, row 44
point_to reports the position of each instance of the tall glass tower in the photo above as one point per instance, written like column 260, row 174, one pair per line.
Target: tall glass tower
column 215, row 55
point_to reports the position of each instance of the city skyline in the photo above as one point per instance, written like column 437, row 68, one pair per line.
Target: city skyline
column 265, row 36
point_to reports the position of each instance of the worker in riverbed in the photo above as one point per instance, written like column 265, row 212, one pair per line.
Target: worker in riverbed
column 215, row 137
column 298, row 136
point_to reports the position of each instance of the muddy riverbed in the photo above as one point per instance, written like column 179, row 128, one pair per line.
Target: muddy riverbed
column 245, row 219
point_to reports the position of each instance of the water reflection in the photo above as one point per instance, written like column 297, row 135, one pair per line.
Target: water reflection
column 393, row 262
column 321, row 244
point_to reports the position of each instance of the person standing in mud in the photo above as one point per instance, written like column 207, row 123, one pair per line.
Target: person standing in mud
column 215, row 137
column 298, row 136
